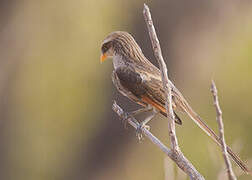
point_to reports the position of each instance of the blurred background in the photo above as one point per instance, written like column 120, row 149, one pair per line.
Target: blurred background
column 56, row 121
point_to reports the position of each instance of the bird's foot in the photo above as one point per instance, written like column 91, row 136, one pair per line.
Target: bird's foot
column 139, row 130
column 128, row 115
column 125, row 119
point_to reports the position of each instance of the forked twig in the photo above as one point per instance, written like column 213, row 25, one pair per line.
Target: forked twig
column 178, row 158
column 168, row 103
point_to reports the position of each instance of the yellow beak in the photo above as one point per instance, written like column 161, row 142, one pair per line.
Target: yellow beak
column 103, row 57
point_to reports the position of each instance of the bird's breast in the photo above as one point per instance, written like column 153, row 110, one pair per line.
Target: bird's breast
column 118, row 61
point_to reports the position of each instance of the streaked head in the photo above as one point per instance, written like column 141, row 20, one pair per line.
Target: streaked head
column 120, row 43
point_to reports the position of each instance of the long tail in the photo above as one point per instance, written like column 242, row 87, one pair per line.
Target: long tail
column 184, row 106
column 196, row 118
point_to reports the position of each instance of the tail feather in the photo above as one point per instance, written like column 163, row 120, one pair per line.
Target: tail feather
column 181, row 104
column 177, row 118
column 196, row 118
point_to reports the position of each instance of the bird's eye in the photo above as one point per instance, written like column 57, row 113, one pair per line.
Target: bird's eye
column 105, row 47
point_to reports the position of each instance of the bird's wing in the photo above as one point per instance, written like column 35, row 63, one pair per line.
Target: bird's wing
column 154, row 83
column 146, row 86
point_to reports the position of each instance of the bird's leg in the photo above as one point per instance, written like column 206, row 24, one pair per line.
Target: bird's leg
column 143, row 124
column 134, row 113
column 142, row 110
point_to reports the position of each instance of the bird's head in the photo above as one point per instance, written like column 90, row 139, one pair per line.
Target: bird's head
column 120, row 43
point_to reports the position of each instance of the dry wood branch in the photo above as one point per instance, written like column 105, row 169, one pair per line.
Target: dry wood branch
column 178, row 158
column 164, row 73
column 230, row 172
column 168, row 104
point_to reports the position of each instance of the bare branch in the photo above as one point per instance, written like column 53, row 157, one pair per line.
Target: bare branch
column 230, row 172
column 188, row 167
column 158, row 54
column 178, row 158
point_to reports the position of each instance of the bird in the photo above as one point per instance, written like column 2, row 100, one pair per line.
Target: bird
column 137, row 78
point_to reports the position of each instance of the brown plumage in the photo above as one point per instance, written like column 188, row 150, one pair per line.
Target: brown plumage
column 138, row 79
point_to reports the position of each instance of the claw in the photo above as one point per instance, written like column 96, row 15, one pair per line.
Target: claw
column 139, row 132
column 125, row 120
column 147, row 127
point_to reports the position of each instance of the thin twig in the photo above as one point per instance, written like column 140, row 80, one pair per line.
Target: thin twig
column 231, row 175
column 158, row 54
column 178, row 158
column 188, row 168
